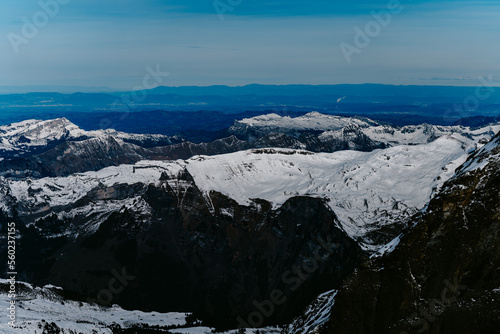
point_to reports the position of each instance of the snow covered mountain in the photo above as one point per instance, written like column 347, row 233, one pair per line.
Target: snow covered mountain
column 311, row 121
column 443, row 273
column 326, row 133
column 45, row 310
column 368, row 191
column 59, row 148
column 123, row 217
column 228, row 225
column 34, row 135
column 20, row 137
column 314, row 317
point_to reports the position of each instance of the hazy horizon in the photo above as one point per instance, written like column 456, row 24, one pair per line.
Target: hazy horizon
column 70, row 89
column 100, row 43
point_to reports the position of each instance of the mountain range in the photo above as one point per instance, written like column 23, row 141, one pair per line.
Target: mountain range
column 100, row 108
column 356, row 224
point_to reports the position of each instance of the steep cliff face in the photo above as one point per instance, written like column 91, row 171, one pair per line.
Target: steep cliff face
column 60, row 148
column 178, row 249
column 187, row 150
column 314, row 132
column 326, row 133
column 444, row 276
column 250, row 238
column 370, row 192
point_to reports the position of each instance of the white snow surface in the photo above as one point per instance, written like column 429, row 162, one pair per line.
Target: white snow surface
column 79, row 317
column 362, row 188
column 43, row 306
column 423, row 133
column 26, row 135
column 39, row 133
column 310, row 121
column 23, row 136
column 388, row 248
column 59, row 191
column 333, row 126
column 315, row 316
column 482, row 157
column 366, row 190
column 83, row 318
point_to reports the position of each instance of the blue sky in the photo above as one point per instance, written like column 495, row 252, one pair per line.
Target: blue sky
column 110, row 43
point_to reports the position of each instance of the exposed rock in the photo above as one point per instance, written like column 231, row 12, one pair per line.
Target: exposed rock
column 177, row 249
column 444, row 276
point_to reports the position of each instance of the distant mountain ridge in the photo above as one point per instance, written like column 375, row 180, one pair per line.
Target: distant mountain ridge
column 54, row 89
column 59, row 147
column 436, row 104
column 367, row 89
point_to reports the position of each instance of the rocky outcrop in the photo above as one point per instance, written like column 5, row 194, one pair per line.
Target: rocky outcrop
column 187, row 150
column 59, row 148
column 170, row 247
column 314, row 132
column 93, row 154
column 444, row 276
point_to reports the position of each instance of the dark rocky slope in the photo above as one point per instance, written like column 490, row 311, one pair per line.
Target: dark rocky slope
column 69, row 156
column 444, row 276
column 59, row 148
column 93, row 154
column 189, row 252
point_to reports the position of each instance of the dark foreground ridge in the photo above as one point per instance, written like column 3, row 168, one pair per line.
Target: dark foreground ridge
column 444, row 277
column 192, row 253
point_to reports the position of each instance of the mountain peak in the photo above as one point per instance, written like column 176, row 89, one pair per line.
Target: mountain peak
column 488, row 155
column 35, row 132
column 310, row 121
